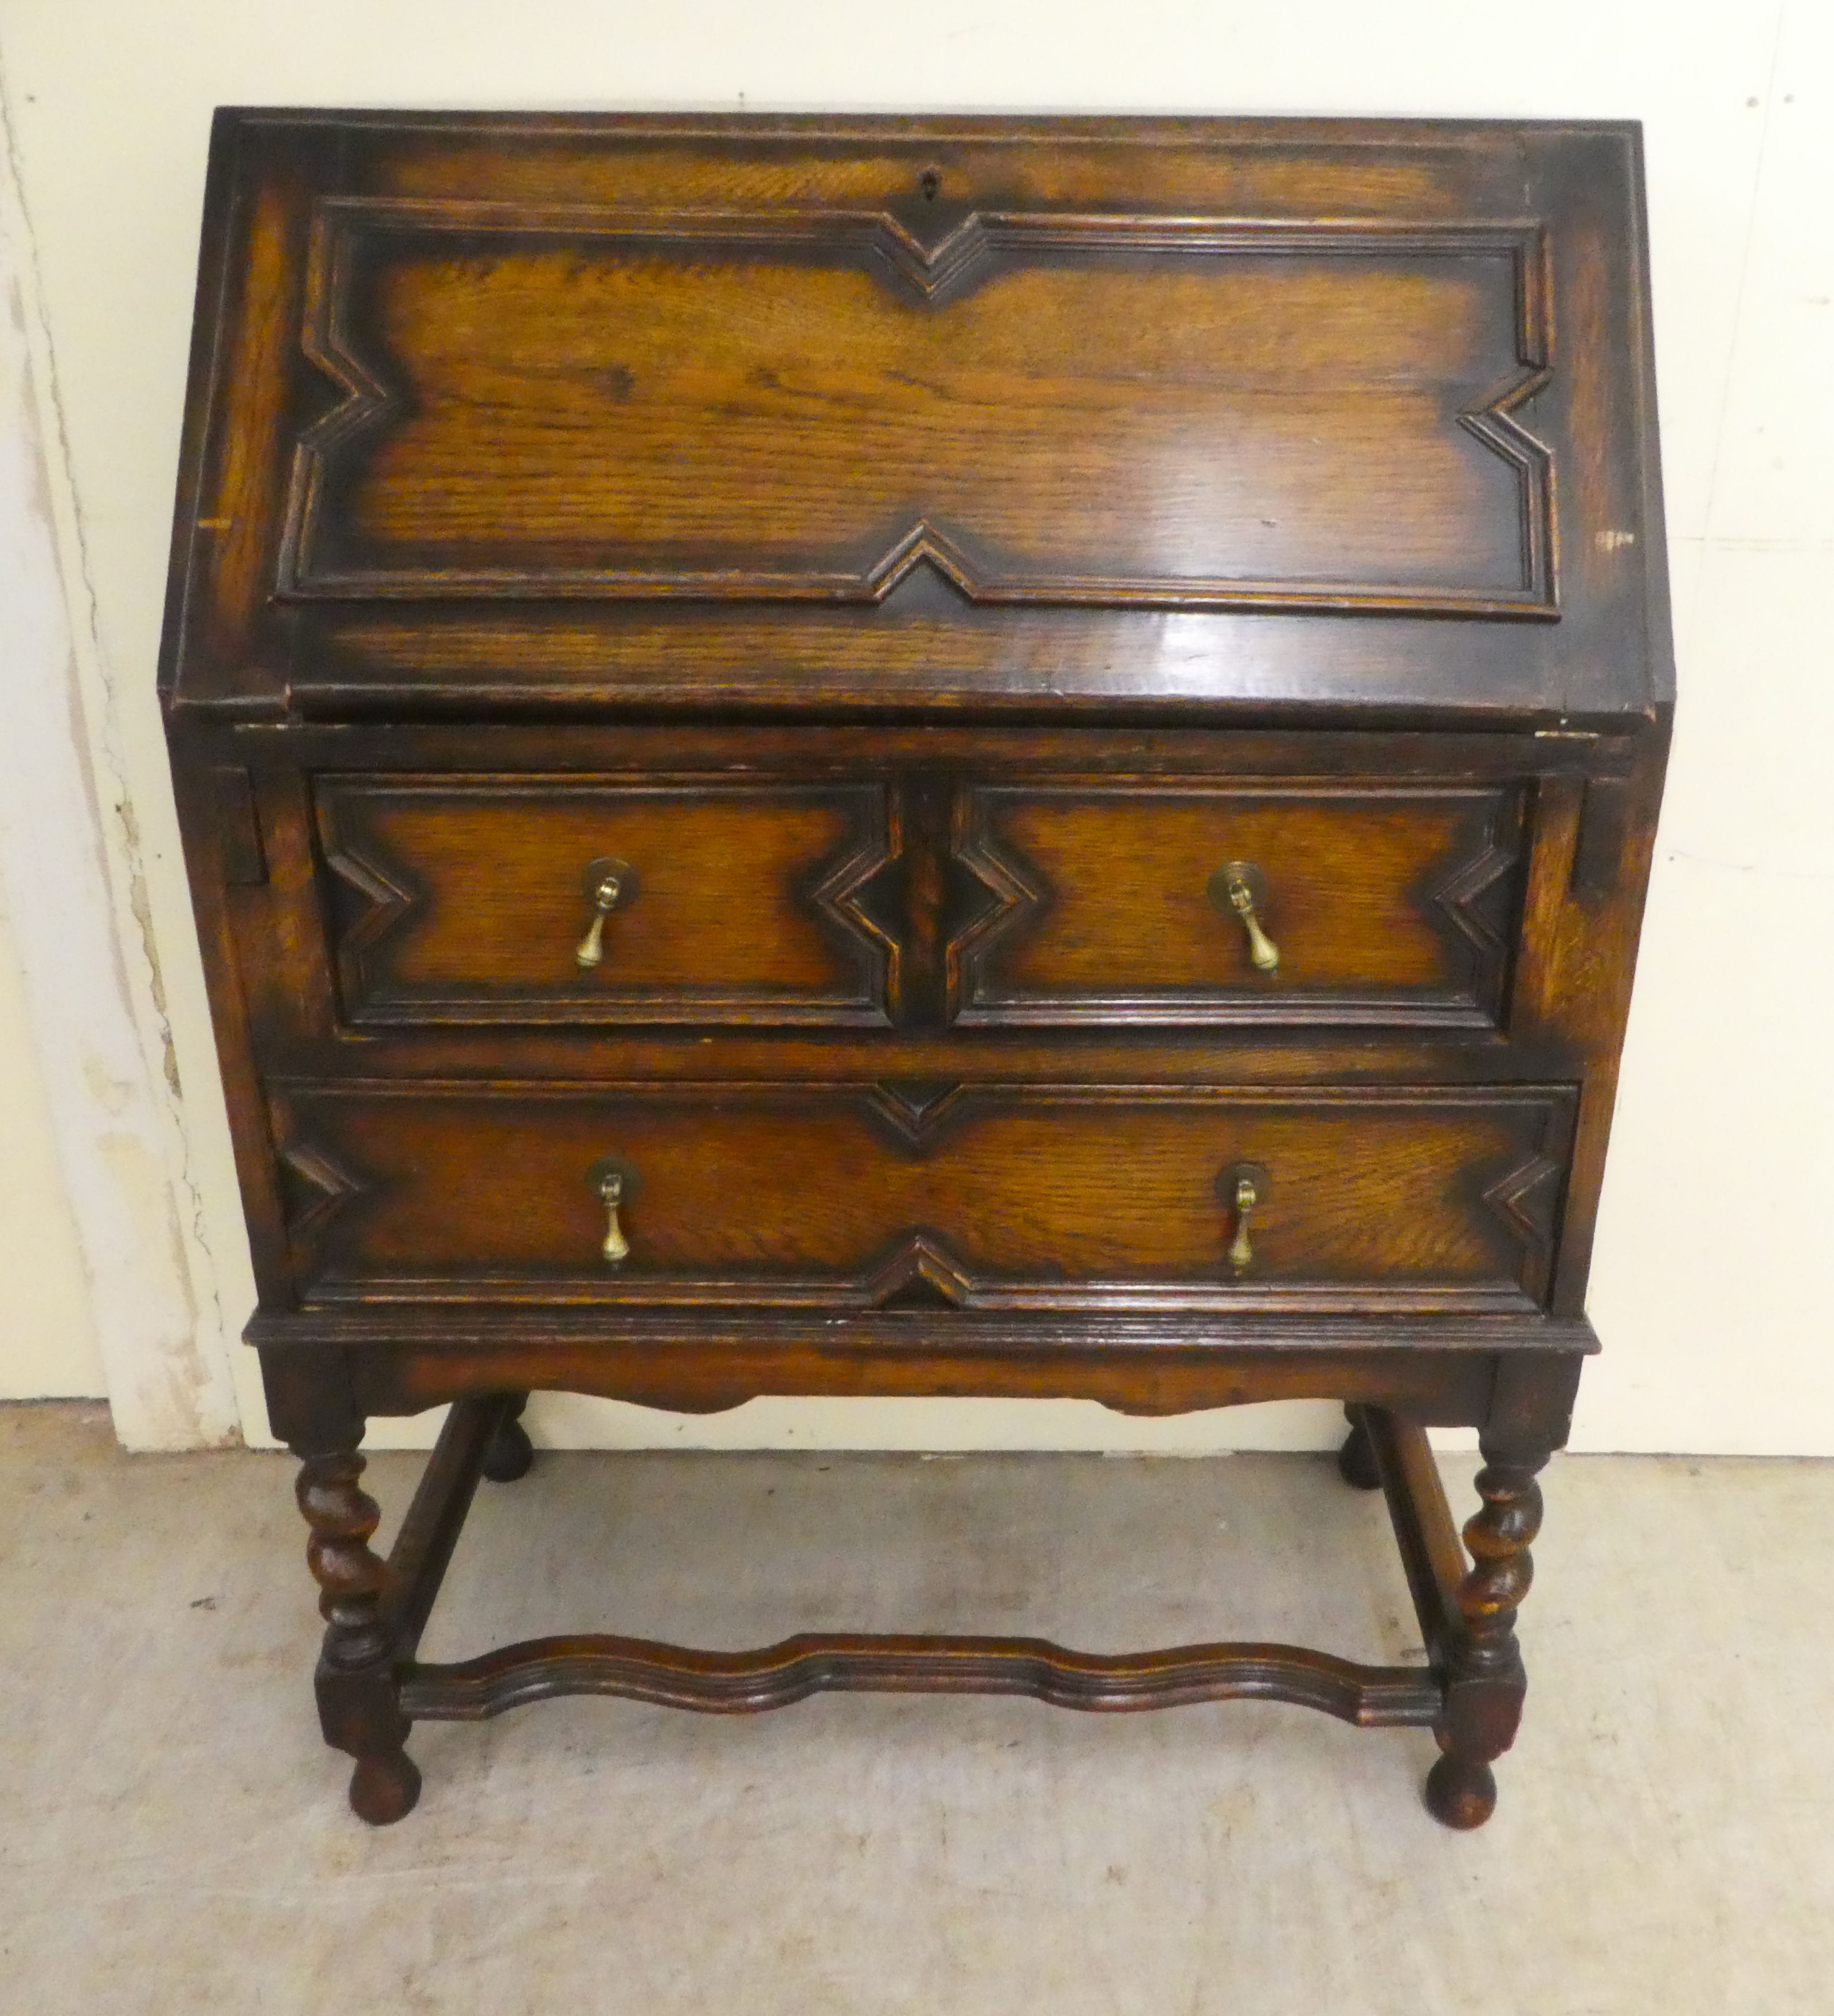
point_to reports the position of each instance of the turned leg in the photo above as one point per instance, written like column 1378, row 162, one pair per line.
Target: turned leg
column 1485, row 1679
column 358, row 1706
column 1356, row 1460
column 510, row 1452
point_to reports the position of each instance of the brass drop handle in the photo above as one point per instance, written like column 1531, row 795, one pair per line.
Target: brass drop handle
column 1243, row 1187
column 591, row 949
column 1240, row 1251
column 1245, row 889
column 614, row 1182
column 608, row 883
column 617, row 1248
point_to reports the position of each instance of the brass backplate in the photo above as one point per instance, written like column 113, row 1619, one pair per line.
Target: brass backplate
column 1248, row 875
column 607, row 866
column 1234, row 1174
column 613, row 1165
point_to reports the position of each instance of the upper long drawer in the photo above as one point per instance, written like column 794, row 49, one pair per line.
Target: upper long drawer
column 929, row 408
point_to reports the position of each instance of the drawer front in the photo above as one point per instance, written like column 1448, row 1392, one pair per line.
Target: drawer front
column 1047, row 902
column 1306, row 904
column 507, row 901
column 862, row 1196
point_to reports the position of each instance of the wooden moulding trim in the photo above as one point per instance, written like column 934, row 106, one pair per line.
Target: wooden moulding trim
column 1246, row 132
column 456, row 1329
column 776, row 1675
column 923, row 1263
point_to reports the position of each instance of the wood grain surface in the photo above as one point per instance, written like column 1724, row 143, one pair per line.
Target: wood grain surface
column 1002, row 1196
column 1385, row 904
column 1069, row 407
column 466, row 900
column 762, row 412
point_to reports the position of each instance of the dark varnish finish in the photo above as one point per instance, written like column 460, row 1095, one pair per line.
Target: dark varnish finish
column 876, row 756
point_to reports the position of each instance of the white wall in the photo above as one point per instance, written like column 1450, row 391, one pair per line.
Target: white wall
column 97, row 1173
column 1710, row 1276
column 47, row 1336
column 48, row 1344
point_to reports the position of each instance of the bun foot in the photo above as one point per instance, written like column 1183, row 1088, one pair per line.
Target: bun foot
column 1461, row 1792
column 1356, row 1461
column 510, row 1453
column 384, row 1789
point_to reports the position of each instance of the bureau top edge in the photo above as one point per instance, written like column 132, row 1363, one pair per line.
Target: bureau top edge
column 1016, row 124
column 530, row 410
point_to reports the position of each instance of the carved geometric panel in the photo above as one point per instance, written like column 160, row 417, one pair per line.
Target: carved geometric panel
column 1107, row 408
column 1008, row 1196
column 1526, row 1198
column 916, row 1111
column 465, row 900
column 315, row 1187
column 1478, row 898
column 919, row 1271
column 1096, row 904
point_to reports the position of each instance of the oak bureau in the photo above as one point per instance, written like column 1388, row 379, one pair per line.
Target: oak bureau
column 934, row 756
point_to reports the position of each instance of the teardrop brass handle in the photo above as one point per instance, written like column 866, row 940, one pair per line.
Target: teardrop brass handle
column 608, row 882
column 1239, row 887
column 614, row 1182
column 1243, row 1187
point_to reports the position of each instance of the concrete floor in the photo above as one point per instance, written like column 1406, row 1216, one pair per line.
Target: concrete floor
column 173, row 1837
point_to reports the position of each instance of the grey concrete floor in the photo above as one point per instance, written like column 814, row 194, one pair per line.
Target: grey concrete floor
column 174, row 1837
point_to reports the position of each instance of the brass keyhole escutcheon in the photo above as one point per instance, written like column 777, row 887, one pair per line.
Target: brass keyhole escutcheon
column 1244, row 1188
column 614, row 1183
column 1238, row 889
column 608, row 882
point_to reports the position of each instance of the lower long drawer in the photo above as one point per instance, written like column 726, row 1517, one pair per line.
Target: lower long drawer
column 881, row 1195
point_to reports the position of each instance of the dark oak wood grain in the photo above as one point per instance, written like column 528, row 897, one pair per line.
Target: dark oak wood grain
column 1010, row 396
column 887, row 904
column 1383, row 904
column 1119, row 672
column 744, row 1196
column 812, row 1663
column 1325, row 366
column 466, row 900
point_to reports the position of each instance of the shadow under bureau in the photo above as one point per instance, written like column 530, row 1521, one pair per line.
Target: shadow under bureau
column 918, row 756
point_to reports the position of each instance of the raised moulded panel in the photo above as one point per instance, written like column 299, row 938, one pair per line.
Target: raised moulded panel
column 469, row 900
column 1101, row 904
column 1040, row 407
column 854, row 1197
